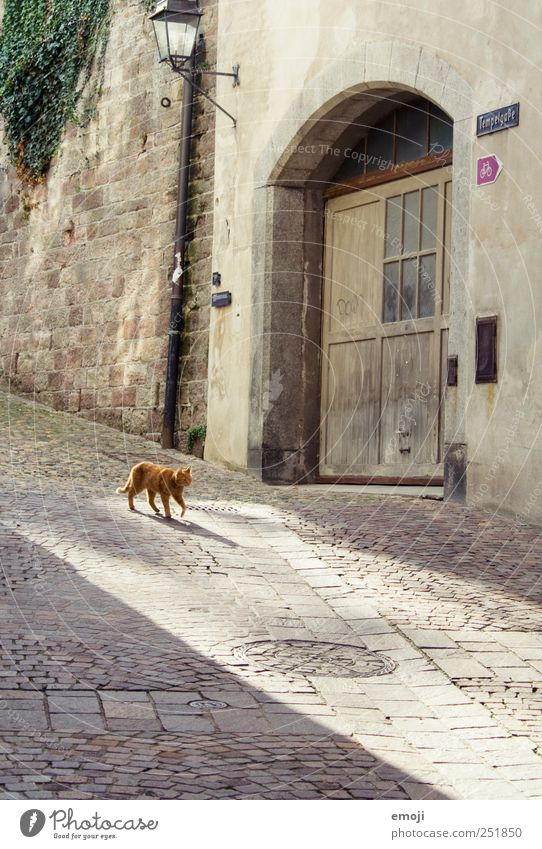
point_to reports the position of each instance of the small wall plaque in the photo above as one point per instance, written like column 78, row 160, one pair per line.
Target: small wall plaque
column 497, row 120
column 486, row 349
column 221, row 299
column 452, row 371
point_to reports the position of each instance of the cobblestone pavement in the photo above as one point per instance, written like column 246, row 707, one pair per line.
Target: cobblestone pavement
column 280, row 643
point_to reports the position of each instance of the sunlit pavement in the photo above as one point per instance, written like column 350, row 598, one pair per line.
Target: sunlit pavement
column 280, row 643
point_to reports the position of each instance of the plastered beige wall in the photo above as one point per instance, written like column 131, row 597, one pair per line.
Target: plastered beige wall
column 468, row 57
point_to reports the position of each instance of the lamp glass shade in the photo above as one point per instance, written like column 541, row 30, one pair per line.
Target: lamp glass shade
column 176, row 27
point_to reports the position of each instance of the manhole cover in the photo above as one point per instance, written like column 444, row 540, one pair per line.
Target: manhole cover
column 207, row 704
column 303, row 657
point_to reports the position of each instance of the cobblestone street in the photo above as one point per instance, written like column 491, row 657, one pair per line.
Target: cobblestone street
column 278, row 643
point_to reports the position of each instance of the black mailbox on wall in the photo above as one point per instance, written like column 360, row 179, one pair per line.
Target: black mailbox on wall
column 486, row 349
column 452, row 371
column 221, row 299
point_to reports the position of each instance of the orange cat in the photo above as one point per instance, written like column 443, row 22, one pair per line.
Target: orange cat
column 158, row 480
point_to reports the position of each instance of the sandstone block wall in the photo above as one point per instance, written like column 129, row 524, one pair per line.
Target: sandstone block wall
column 86, row 258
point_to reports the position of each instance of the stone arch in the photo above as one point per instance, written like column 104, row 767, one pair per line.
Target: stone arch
column 288, row 240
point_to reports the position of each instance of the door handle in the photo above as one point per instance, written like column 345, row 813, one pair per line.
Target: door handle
column 403, row 435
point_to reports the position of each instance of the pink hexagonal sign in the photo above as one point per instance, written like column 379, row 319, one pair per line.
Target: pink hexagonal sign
column 488, row 169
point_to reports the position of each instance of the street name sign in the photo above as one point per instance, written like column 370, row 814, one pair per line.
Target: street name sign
column 497, row 120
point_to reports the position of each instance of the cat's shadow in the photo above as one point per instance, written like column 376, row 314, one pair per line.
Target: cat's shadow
column 188, row 527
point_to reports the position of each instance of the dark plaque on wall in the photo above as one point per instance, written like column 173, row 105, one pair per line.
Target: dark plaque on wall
column 486, row 349
column 452, row 371
column 497, row 120
column 221, row 299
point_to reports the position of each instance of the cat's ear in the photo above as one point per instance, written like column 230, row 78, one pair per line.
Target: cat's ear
column 188, row 469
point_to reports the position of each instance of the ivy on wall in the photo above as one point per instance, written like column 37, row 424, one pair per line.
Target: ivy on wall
column 51, row 70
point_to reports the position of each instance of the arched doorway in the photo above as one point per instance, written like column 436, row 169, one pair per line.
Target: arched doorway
column 385, row 301
column 293, row 179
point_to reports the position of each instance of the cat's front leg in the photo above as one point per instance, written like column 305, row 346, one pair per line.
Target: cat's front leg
column 165, row 502
column 152, row 503
column 181, row 502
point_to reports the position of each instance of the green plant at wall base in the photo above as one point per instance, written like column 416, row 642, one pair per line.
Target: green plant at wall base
column 48, row 52
column 195, row 433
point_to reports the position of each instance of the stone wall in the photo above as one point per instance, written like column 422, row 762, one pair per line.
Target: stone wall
column 86, row 258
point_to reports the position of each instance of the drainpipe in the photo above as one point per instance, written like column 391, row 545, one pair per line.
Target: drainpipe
column 176, row 322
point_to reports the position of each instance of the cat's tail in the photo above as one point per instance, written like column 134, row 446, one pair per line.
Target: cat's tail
column 122, row 489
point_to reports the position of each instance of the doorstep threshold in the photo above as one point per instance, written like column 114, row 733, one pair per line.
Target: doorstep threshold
column 428, row 491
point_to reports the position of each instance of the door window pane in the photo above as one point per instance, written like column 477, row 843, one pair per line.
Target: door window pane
column 391, row 292
column 393, row 226
column 408, row 133
column 412, row 133
column 380, row 146
column 441, row 131
column 411, row 226
column 410, row 286
column 427, row 285
column 353, row 165
column 429, row 218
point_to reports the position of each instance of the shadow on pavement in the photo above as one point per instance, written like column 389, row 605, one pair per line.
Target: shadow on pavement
column 62, row 633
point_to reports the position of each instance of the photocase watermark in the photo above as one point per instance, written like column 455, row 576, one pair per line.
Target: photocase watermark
column 499, row 459
column 373, row 161
column 32, row 822
column 533, row 210
column 407, row 419
column 273, row 390
column 18, row 719
column 66, row 826
column 522, row 516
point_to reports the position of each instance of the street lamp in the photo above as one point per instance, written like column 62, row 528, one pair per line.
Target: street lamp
column 176, row 24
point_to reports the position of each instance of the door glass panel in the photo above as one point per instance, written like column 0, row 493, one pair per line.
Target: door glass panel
column 406, row 134
column 412, row 133
column 380, row 146
column 391, row 292
column 411, row 227
column 429, row 218
column 427, row 285
column 393, row 226
column 353, row 165
column 441, row 131
column 410, row 285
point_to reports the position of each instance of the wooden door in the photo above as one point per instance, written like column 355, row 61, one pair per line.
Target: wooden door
column 385, row 330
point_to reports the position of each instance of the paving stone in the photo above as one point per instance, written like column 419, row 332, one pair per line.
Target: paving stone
column 73, row 704
column 172, row 722
column 84, row 722
column 132, row 724
column 488, row 790
column 23, row 720
column 528, row 653
column 172, row 697
column 251, row 721
column 429, row 639
column 123, row 696
column 136, row 710
column 525, row 639
column 458, row 668
column 397, row 708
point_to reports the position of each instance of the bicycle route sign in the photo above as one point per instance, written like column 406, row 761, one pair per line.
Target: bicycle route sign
column 488, row 169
